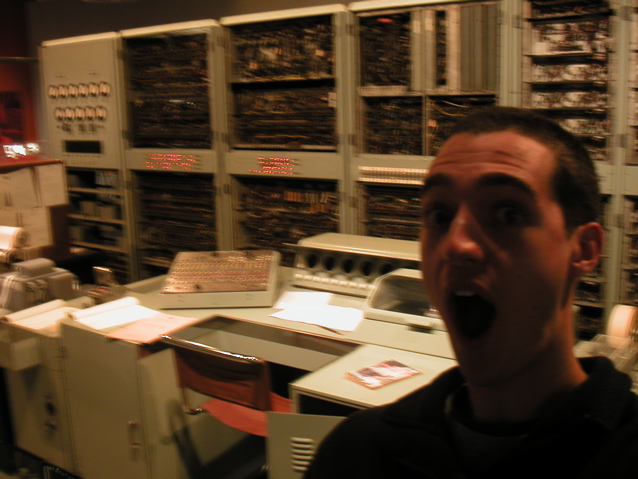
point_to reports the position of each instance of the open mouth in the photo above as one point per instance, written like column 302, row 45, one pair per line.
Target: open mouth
column 473, row 314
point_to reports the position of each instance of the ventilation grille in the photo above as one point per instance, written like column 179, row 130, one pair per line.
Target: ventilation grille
column 302, row 451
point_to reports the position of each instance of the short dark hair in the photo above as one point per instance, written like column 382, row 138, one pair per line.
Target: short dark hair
column 575, row 182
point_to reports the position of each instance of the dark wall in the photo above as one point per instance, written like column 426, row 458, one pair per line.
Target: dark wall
column 52, row 19
column 17, row 119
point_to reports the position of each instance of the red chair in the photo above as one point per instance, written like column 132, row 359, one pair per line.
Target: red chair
column 238, row 387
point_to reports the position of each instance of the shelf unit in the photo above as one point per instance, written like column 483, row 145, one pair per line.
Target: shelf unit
column 570, row 69
column 287, row 90
column 174, row 212
column 391, row 210
column 172, row 78
column 419, row 66
column 275, row 213
column 282, row 84
column 580, row 68
column 81, row 77
column 96, row 202
column 628, row 209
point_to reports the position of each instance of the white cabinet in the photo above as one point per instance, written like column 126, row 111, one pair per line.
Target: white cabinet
column 127, row 421
column 37, row 397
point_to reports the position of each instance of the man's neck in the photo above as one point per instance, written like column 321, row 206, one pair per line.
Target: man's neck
column 522, row 398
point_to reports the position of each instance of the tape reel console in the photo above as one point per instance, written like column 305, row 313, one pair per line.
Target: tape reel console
column 349, row 264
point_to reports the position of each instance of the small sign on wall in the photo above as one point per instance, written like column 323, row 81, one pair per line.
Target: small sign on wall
column 11, row 121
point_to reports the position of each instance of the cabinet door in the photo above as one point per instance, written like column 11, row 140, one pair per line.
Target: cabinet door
column 104, row 402
column 39, row 408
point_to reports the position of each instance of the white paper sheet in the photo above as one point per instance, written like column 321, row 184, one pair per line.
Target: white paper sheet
column 150, row 329
column 52, row 187
column 117, row 317
column 37, row 223
column 292, row 299
column 35, row 310
column 327, row 316
column 105, row 307
column 21, row 189
column 139, row 323
column 48, row 321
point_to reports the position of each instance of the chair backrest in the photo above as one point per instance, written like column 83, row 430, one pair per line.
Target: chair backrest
column 232, row 377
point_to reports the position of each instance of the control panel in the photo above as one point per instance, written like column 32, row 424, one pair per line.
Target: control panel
column 82, row 101
column 349, row 264
column 222, row 279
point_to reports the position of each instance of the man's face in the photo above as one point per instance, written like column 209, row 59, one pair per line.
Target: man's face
column 496, row 254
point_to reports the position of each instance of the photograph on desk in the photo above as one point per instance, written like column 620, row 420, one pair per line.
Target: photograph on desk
column 382, row 373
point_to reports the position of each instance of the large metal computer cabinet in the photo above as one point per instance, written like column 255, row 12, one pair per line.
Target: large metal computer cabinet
column 81, row 78
column 628, row 207
column 419, row 67
column 171, row 78
column 575, row 59
column 287, row 89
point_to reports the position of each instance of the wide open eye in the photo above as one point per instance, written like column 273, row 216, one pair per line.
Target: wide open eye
column 436, row 216
column 510, row 215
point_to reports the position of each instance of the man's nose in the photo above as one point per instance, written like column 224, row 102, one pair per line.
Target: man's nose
column 464, row 238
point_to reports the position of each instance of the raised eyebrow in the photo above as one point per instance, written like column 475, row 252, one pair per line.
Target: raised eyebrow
column 432, row 181
column 501, row 179
column 490, row 179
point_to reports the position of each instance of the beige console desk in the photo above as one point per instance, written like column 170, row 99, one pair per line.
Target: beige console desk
column 323, row 393
column 121, row 402
column 325, row 354
column 390, row 335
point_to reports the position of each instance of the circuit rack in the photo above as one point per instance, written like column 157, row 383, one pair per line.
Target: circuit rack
column 282, row 84
column 275, row 213
column 168, row 95
column 427, row 54
column 444, row 111
column 420, row 68
column 569, row 64
column 391, row 211
column 281, row 117
column 569, row 74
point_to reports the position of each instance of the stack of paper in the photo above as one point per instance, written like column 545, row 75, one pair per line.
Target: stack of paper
column 140, row 324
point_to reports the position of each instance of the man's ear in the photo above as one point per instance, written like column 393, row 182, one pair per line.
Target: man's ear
column 588, row 246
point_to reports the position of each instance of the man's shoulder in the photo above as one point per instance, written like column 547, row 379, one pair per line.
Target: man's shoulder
column 370, row 441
